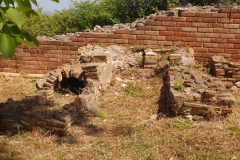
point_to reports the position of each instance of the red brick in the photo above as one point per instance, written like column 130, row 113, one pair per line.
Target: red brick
column 204, row 39
column 210, row 45
column 187, row 14
column 225, row 20
column 116, row 36
column 78, row 39
column 40, row 67
column 50, row 42
column 237, row 46
column 86, row 34
column 234, row 31
column 211, row 35
column 159, row 28
column 214, row 25
column 236, row 56
column 173, row 28
column 235, row 15
column 172, row 38
column 70, row 43
column 80, row 44
column 179, row 19
column 64, row 56
column 234, row 41
column 149, row 42
column 166, row 33
column 232, row 26
column 196, row 54
column 215, row 50
column 74, row 48
column 137, row 42
column 196, row 49
column 219, row 15
column 179, row 43
column 127, row 36
column 194, row 19
column 219, row 40
column 189, row 29
column 28, row 58
column 201, row 25
column 159, row 38
column 199, row 35
column 232, row 36
column 41, row 51
column 188, row 39
column 195, row 44
column 69, row 52
column 205, row 30
column 169, row 23
column 23, row 54
column 122, row 31
column 49, row 47
column 50, row 55
column 226, row 46
column 143, row 37
column 54, row 60
column 236, row 21
column 207, row 55
column 165, row 43
column 63, row 47
column 143, row 28
column 136, row 32
column 33, row 63
column 27, row 67
column 232, row 51
column 220, row 30
column 107, row 40
column 181, row 34
column 237, row 36
column 121, row 41
column 93, row 40
column 163, row 18
column 100, row 35
column 67, row 61
column 204, row 14
column 153, row 23
column 183, row 24
column 225, row 10
column 209, row 20
column 152, row 33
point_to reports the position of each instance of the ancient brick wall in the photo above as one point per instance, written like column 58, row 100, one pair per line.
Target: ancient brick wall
column 209, row 33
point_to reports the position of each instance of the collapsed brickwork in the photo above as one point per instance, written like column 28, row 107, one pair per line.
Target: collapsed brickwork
column 93, row 69
column 186, row 90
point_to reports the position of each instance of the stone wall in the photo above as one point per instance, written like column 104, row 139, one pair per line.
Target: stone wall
column 208, row 32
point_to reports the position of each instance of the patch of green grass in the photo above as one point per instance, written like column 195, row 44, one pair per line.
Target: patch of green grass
column 181, row 123
column 132, row 89
column 101, row 114
column 179, row 86
column 234, row 129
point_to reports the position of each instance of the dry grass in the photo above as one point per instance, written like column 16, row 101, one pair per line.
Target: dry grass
column 124, row 127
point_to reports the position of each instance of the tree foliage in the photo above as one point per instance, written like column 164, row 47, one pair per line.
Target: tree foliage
column 11, row 32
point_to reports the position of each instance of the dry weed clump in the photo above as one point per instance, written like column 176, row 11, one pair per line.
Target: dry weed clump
column 124, row 127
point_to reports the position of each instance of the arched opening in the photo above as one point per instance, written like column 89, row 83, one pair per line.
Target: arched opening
column 70, row 85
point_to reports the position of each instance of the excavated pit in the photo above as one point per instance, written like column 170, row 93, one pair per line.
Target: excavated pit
column 186, row 90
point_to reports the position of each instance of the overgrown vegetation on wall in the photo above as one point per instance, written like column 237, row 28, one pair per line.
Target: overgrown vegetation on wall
column 89, row 13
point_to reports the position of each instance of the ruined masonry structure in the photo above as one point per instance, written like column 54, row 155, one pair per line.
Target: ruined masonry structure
column 209, row 33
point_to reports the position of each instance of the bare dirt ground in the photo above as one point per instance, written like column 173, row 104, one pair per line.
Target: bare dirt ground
column 123, row 126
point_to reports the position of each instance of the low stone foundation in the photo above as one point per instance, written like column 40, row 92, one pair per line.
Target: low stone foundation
column 228, row 72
